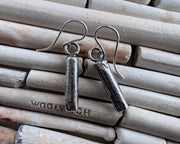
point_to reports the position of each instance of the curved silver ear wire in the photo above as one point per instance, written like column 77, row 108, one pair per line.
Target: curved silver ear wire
column 101, row 53
column 72, row 41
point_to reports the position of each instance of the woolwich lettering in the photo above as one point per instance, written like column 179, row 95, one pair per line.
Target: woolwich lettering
column 58, row 107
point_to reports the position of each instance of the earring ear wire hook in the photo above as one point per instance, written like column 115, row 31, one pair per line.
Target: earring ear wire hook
column 102, row 53
column 61, row 30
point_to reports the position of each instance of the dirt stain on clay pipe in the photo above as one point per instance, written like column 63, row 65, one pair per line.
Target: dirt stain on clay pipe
column 121, row 55
column 7, row 38
column 10, row 39
column 168, row 17
column 7, row 136
column 27, row 38
column 6, row 119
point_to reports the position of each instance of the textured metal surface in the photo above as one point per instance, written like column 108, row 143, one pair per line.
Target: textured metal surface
column 111, row 86
column 71, row 92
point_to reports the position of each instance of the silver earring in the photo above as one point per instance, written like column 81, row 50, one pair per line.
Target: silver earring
column 105, row 74
column 72, row 65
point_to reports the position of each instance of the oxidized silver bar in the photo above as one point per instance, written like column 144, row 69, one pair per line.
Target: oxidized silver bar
column 71, row 93
column 111, row 86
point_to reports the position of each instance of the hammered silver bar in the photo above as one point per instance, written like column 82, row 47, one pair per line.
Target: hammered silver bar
column 71, row 93
column 111, row 86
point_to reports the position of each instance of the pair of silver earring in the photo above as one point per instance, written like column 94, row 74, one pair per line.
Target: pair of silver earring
column 101, row 65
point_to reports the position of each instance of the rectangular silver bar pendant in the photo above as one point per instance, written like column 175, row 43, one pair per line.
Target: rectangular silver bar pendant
column 71, row 93
column 111, row 86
